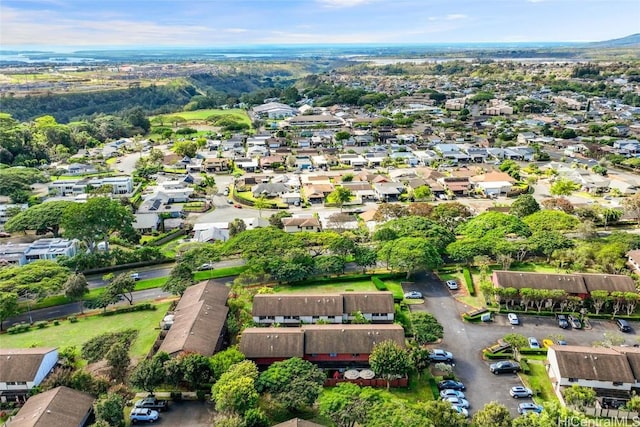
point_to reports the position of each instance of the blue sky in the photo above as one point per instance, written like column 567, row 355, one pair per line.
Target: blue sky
column 147, row 23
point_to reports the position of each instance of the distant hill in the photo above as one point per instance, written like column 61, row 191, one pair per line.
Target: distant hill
column 628, row 41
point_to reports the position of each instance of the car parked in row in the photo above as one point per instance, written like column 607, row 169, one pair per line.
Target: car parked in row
column 562, row 321
column 505, row 366
column 458, row 401
column 413, row 295
column 438, row 355
column 513, row 319
column 460, row 410
column 528, row 407
column 143, row 414
column 533, row 342
column 574, row 322
column 452, row 284
column 451, row 393
column 451, row 385
column 623, row 325
column 151, row 402
column 520, row 391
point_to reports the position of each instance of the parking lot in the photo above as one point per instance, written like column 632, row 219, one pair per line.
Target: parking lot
column 188, row 414
column 466, row 341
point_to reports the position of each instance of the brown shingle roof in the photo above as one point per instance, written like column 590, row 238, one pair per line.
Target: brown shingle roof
column 325, row 339
column 633, row 357
column 297, row 422
column 200, row 318
column 272, row 342
column 21, row 364
column 368, row 302
column 301, row 222
column 578, row 283
column 59, row 407
column 518, row 280
column 593, row 363
column 608, row 282
column 297, row 305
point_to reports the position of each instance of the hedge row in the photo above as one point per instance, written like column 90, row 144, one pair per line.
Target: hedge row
column 130, row 309
column 469, row 281
column 379, row 284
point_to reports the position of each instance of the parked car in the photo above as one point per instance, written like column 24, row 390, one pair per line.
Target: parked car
column 533, row 342
column 513, row 319
column 4, row 234
column 527, row 407
column 237, row 206
column 623, row 325
column 460, row 410
column 151, row 402
column 439, row 355
column 451, row 393
column 230, row 201
column 452, row 284
column 520, row 391
column 574, row 322
column 457, row 401
column 143, row 414
column 413, row 295
column 562, row 321
column 505, row 366
column 451, row 385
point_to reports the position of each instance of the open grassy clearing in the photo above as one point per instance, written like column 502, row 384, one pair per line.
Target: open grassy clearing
column 328, row 288
column 203, row 114
column 75, row 334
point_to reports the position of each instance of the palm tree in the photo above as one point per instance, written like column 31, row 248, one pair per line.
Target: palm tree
column 261, row 203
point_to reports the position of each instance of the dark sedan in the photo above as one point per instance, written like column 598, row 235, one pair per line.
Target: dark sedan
column 450, row 385
column 506, row 366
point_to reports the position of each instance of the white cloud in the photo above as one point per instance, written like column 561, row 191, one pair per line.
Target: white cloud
column 455, row 17
column 236, row 30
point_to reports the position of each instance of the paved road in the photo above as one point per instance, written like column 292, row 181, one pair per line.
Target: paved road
column 466, row 341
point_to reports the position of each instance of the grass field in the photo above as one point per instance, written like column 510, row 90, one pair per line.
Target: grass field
column 538, row 380
column 203, row 114
column 329, row 288
column 75, row 334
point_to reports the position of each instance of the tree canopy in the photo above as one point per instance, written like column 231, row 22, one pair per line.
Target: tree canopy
column 44, row 217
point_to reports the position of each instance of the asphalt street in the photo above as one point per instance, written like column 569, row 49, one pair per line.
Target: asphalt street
column 466, row 341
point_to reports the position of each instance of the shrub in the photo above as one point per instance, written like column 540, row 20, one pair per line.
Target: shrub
column 18, row 329
column 56, row 322
column 97, row 347
column 41, row 325
column 130, row 309
column 469, row 281
column 72, row 319
column 379, row 284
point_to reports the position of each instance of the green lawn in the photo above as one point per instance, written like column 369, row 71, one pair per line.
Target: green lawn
column 203, row 114
column 219, row 272
column 328, row 288
column 417, row 392
column 539, row 380
column 75, row 334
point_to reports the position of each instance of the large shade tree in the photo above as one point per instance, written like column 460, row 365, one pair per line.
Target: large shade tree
column 45, row 217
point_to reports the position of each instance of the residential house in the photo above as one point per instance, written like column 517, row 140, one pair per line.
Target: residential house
column 146, row 223
column 316, row 193
column 80, row 168
column 360, row 190
column 8, row 207
column 325, row 345
column 493, row 184
column 353, row 160
column 633, row 259
column 576, row 284
column 388, row 191
column 211, row 231
column 119, row 185
column 292, row 309
column 199, row 323
column 246, row 164
column 273, row 160
column 297, row 224
column 13, row 253
column 50, row 249
column 217, row 164
column 22, row 369
column 59, row 407
column 270, row 190
column 498, row 108
column 459, row 186
column 455, row 104
column 610, row 372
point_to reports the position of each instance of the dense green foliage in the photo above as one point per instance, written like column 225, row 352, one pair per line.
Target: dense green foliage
column 96, row 348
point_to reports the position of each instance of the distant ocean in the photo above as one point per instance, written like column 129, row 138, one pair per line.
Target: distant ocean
column 119, row 54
